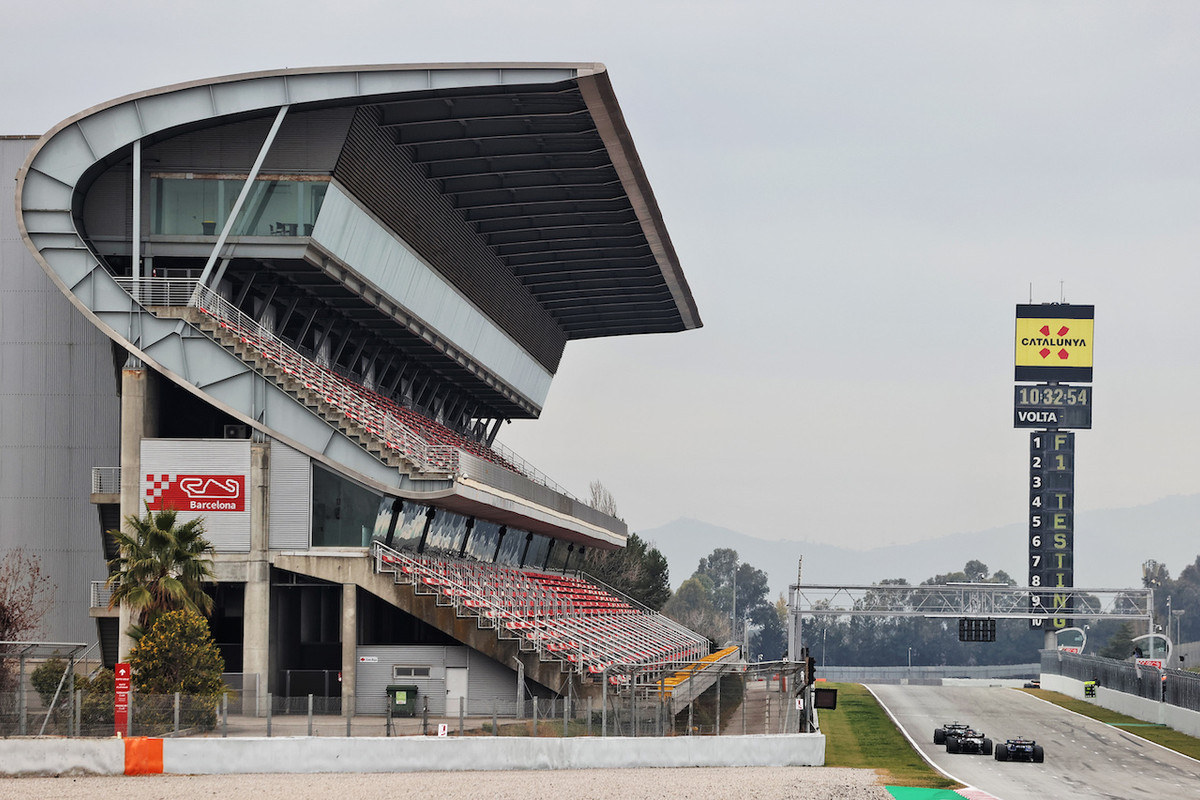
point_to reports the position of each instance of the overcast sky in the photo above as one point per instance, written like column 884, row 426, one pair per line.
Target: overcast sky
column 859, row 193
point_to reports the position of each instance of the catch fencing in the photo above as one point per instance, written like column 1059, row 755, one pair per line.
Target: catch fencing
column 1172, row 686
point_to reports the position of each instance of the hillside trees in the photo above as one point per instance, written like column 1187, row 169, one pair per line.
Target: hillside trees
column 692, row 606
column 863, row 640
column 1180, row 596
column 638, row 569
column 725, row 594
column 729, row 575
column 1120, row 644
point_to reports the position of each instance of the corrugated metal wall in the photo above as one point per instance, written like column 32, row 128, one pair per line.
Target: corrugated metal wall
column 488, row 681
column 378, row 174
column 290, row 498
column 59, row 417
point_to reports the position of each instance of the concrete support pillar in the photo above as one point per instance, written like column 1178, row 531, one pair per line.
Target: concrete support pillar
column 256, row 621
column 349, row 646
column 139, row 417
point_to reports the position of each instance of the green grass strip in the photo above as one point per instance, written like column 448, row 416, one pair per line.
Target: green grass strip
column 859, row 734
column 1159, row 734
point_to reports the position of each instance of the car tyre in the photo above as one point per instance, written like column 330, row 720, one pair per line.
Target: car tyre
column 1039, row 755
column 953, row 745
column 939, row 735
column 1002, row 753
column 987, row 747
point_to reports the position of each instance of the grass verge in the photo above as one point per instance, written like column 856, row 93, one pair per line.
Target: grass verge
column 1172, row 739
column 859, row 734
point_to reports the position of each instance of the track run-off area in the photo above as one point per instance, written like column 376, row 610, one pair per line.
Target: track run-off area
column 1084, row 758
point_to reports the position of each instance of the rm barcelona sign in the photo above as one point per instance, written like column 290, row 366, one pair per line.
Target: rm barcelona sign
column 206, row 493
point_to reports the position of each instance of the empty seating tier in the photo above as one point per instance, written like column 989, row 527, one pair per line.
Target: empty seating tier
column 429, row 445
column 586, row 628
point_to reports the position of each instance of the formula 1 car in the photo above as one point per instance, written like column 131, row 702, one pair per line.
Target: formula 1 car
column 1020, row 750
column 968, row 741
column 950, row 728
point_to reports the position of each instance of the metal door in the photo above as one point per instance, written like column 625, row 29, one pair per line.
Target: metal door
column 456, row 687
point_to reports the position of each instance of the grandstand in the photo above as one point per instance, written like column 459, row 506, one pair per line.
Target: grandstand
column 326, row 290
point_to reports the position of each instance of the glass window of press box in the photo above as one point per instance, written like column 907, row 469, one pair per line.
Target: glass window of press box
column 345, row 514
column 192, row 204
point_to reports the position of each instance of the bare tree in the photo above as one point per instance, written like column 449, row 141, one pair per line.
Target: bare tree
column 25, row 596
column 602, row 499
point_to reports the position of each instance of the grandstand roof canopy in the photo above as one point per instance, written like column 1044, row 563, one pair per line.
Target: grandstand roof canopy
column 547, row 175
column 537, row 160
column 517, row 183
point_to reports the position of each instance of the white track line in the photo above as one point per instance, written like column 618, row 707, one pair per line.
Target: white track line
column 976, row 792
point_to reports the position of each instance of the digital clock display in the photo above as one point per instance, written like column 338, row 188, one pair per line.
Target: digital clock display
column 1052, row 406
column 1057, row 395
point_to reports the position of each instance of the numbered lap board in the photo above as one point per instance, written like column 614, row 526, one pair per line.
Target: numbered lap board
column 1054, row 343
column 1051, row 527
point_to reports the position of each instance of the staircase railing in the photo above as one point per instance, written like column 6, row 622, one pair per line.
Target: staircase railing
column 106, row 480
column 358, row 402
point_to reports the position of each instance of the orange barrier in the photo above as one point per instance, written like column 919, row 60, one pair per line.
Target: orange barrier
column 143, row 756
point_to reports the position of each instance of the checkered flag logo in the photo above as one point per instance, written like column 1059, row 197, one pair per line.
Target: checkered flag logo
column 156, row 485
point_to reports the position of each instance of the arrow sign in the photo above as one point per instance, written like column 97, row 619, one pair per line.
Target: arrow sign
column 121, row 686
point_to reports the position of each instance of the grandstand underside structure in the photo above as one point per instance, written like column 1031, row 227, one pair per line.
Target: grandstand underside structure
column 326, row 290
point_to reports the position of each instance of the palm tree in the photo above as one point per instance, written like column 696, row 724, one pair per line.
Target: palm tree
column 161, row 567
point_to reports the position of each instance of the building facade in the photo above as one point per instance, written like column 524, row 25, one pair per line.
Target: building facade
column 301, row 304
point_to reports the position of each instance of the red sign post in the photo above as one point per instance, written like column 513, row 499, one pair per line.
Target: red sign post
column 122, row 676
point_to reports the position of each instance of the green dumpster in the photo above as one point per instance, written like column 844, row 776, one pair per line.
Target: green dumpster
column 402, row 700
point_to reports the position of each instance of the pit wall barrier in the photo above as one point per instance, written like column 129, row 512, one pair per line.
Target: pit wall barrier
column 137, row 756
column 1179, row 719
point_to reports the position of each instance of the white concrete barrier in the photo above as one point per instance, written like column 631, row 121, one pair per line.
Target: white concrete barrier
column 205, row 756
column 422, row 754
column 32, row 757
column 1183, row 720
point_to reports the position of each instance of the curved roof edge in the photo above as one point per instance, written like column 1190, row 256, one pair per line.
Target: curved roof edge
column 602, row 101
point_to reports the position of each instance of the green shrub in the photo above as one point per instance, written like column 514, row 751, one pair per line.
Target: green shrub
column 177, row 654
column 45, row 679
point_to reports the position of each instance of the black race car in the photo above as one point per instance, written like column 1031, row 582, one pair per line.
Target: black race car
column 1020, row 750
column 968, row 741
column 949, row 729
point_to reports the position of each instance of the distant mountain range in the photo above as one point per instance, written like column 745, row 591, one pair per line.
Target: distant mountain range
column 1110, row 546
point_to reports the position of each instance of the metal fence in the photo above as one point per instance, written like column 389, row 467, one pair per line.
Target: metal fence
column 740, row 700
column 1173, row 686
column 91, row 713
column 79, row 702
